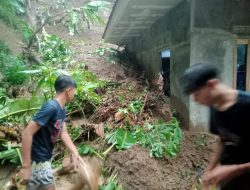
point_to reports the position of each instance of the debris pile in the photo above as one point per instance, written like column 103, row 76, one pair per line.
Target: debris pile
column 132, row 103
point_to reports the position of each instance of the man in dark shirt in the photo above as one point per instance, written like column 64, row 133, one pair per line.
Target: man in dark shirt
column 230, row 120
column 41, row 134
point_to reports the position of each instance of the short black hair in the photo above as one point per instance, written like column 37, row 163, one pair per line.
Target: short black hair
column 64, row 81
column 197, row 75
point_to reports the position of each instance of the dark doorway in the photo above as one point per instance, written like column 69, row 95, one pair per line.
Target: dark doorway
column 241, row 67
column 165, row 57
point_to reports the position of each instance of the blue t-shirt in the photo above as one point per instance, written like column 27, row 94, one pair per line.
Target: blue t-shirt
column 50, row 118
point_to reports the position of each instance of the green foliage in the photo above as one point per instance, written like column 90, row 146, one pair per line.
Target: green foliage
column 10, row 13
column 136, row 106
column 75, row 132
column 91, row 11
column 112, row 184
column 27, row 32
column 4, row 48
column 55, row 50
column 18, row 6
column 73, row 21
column 90, row 14
column 9, row 153
column 10, row 67
column 3, row 92
column 20, row 106
column 45, row 75
column 107, row 53
column 162, row 138
column 86, row 85
column 123, row 139
column 85, row 149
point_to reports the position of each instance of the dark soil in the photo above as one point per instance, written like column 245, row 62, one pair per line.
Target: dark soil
column 138, row 171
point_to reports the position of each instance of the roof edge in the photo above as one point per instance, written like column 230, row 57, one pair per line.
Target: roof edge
column 110, row 18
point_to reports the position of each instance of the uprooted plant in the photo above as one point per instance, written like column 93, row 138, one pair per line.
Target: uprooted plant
column 9, row 152
column 162, row 138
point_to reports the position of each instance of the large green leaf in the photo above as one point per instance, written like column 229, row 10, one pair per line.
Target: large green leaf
column 110, row 186
column 85, row 149
column 122, row 139
column 21, row 106
column 162, row 138
column 9, row 153
column 125, row 139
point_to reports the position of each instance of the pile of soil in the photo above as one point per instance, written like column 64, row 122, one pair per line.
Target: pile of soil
column 138, row 171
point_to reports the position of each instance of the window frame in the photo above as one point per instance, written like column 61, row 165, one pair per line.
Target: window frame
column 242, row 42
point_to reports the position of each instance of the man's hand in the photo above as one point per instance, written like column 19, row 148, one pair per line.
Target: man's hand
column 25, row 174
column 220, row 175
column 75, row 160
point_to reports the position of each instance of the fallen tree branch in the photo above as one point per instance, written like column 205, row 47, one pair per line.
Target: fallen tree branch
column 145, row 100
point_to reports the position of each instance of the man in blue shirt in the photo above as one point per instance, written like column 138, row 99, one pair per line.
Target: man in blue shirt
column 40, row 135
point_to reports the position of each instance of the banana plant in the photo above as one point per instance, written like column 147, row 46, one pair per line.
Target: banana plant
column 20, row 107
column 45, row 75
column 10, row 153
column 121, row 138
column 11, row 10
column 89, row 13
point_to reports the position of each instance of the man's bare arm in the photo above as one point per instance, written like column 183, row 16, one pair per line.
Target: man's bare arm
column 67, row 141
column 27, row 138
column 215, row 160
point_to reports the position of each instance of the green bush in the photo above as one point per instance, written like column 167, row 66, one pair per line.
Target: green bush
column 86, row 96
column 10, row 69
column 55, row 50
column 4, row 48
column 11, row 10
column 163, row 139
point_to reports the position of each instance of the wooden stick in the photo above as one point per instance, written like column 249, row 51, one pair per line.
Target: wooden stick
column 145, row 100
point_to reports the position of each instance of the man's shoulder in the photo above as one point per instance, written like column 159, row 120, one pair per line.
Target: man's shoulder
column 52, row 104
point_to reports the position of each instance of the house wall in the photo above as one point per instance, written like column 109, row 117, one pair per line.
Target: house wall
column 195, row 31
column 173, row 32
column 213, row 39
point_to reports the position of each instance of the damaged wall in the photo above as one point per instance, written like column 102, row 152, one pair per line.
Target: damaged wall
column 194, row 31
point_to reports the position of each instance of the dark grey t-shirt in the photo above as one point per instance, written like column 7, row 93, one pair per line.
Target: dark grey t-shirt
column 50, row 118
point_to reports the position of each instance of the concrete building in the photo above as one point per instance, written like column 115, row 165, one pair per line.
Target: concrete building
column 184, row 32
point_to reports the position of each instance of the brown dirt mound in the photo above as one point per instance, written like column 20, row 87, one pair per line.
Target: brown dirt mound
column 12, row 38
column 138, row 171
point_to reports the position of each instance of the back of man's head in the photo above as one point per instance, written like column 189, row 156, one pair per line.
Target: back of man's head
column 63, row 82
column 197, row 76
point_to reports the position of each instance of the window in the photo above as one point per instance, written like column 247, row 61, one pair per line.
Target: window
column 242, row 66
